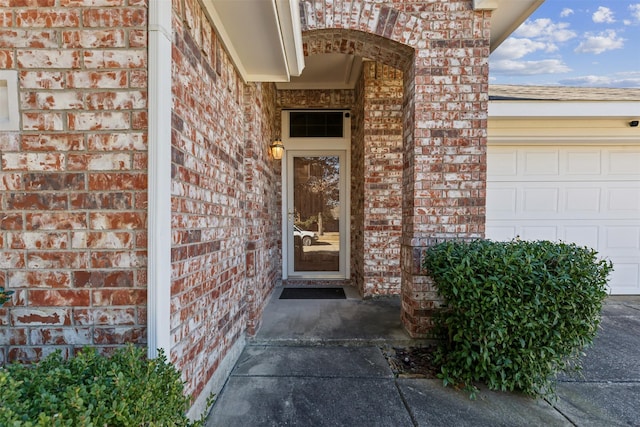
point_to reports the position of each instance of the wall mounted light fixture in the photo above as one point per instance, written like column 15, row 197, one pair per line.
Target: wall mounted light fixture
column 277, row 149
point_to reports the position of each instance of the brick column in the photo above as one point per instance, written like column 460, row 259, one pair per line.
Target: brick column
column 382, row 176
column 446, row 97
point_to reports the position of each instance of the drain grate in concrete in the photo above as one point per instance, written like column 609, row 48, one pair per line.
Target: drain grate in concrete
column 412, row 362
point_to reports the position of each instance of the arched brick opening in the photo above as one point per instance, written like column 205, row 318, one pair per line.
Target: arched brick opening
column 354, row 42
column 442, row 48
column 376, row 154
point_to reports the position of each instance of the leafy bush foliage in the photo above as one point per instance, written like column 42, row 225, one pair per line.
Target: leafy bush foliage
column 516, row 313
column 126, row 389
column 4, row 295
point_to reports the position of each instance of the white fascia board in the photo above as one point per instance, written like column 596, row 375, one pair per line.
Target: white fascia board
column 225, row 37
column 563, row 109
column 506, row 16
column 291, row 31
column 315, row 86
column 263, row 37
column 561, row 140
column 485, row 4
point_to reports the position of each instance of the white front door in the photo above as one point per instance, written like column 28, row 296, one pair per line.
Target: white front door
column 315, row 202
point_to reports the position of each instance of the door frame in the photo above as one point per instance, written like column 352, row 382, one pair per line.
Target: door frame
column 316, row 147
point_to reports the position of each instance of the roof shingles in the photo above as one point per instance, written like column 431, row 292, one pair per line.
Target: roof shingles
column 561, row 93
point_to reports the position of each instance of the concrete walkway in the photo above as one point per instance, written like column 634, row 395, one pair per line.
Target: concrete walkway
column 320, row 363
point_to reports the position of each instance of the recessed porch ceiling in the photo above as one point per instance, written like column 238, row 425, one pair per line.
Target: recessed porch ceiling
column 264, row 39
column 327, row 71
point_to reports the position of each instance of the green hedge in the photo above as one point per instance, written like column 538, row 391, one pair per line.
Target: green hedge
column 4, row 295
column 516, row 313
column 126, row 389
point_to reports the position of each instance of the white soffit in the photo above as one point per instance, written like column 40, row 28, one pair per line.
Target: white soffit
column 327, row 71
column 564, row 109
column 263, row 37
column 506, row 16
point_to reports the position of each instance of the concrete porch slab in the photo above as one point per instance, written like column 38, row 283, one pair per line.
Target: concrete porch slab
column 431, row 404
column 599, row 404
column 317, row 363
column 304, row 401
column 313, row 362
column 350, row 322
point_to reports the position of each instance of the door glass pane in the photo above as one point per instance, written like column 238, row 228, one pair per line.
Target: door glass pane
column 316, row 203
column 315, row 124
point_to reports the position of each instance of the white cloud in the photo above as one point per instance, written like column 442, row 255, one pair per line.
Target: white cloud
column 528, row 68
column 566, row 12
column 635, row 11
column 603, row 15
column 620, row 81
column 540, row 35
column 594, row 81
column 514, row 48
column 546, row 48
column 545, row 29
column 599, row 43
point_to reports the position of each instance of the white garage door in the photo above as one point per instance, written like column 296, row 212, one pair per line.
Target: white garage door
column 583, row 194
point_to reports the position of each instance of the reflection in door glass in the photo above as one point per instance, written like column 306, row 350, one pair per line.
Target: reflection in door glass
column 316, row 202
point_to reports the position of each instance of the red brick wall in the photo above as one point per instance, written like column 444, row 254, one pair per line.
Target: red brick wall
column 73, row 186
column 382, row 177
column 226, row 220
column 316, row 98
column 446, row 95
column 263, row 210
column 208, row 311
column 73, row 179
column 442, row 48
column 357, row 187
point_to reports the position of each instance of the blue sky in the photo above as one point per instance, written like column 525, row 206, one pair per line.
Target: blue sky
column 589, row 43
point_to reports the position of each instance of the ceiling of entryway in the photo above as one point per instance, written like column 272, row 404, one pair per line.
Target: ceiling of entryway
column 265, row 41
column 326, row 71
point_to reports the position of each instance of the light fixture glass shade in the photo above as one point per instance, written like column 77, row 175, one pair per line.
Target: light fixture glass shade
column 277, row 149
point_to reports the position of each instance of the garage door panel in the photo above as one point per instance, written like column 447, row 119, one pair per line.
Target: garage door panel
column 565, row 200
column 504, row 163
column 569, row 163
column 624, row 199
column 624, row 162
column 613, row 238
column 625, row 276
column 582, row 200
column 625, row 238
column 501, row 233
column 502, row 200
column 541, row 162
column 585, row 235
column 583, row 194
column 539, row 232
column 540, row 200
column 583, row 162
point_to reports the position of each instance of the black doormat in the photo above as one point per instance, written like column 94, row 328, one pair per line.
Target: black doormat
column 313, row 293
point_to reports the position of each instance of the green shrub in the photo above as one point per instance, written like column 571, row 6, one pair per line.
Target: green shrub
column 4, row 295
column 516, row 313
column 126, row 389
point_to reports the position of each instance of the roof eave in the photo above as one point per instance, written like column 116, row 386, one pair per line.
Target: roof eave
column 564, row 109
column 506, row 16
column 263, row 37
